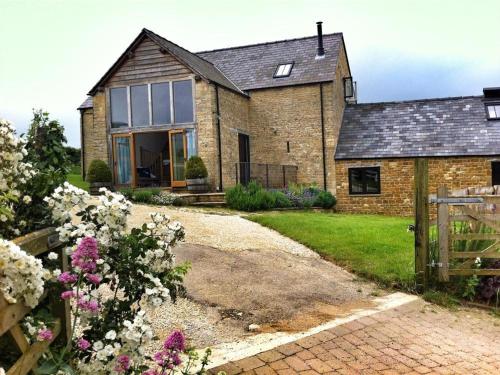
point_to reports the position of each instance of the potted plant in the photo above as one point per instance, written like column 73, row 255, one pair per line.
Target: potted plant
column 196, row 175
column 98, row 176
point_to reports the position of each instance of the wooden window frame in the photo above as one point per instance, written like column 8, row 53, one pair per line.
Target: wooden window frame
column 150, row 105
column 363, row 180
column 133, row 172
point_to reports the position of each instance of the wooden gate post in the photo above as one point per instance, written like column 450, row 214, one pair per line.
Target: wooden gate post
column 421, row 204
column 443, row 234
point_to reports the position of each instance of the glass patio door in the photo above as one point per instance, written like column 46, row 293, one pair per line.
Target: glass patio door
column 177, row 157
column 123, row 155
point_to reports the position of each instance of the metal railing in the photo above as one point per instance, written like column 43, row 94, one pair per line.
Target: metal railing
column 270, row 176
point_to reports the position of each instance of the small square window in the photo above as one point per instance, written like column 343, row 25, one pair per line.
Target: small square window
column 364, row 180
column 283, row 70
column 493, row 111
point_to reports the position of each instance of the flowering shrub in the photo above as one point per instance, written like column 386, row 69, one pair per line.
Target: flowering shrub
column 21, row 275
column 14, row 174
column 115, row 277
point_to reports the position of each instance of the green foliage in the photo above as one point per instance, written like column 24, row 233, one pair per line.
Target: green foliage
column 142, row 196
column 253, row 198
column 99, row 172
column 441, row 298
column 127, row 192
column 361, row 243
column 325, row 199
column 470, row 287
column 74, row 155
column 46, row 152
column 195, row 168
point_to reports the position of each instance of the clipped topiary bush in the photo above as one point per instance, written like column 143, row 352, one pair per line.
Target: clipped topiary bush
column 325, row 199
column 99, row 172
column 195, row 168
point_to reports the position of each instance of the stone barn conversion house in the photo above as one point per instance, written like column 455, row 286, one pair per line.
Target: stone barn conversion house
column 280, row 112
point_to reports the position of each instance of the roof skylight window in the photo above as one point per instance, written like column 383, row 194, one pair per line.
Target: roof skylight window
column 493, row 111
column 283, row 70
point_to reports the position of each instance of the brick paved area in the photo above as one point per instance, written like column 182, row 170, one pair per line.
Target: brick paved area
column 417, row 338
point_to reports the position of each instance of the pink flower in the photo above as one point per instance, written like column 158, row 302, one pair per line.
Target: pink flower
column 83, row 344
column 45, row 335
column 122, row 363
column 86, row 255
column 67, row 294
column 175, row 341
column 158, row 357
column 67, row 278
column 150, row 372
column 94, row 279
column 92, row 305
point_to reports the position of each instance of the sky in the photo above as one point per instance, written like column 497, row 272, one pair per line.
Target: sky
column 53, row 51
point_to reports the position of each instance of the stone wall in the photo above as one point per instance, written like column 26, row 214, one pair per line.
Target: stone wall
column 95, row 141
column 397, row 182
column 233, row 120
column 206, row 129
column 293, row 114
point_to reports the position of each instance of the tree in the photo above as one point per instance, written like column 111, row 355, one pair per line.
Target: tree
column 46, row 152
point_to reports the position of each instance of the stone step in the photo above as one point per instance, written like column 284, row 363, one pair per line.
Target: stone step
column 209, row 204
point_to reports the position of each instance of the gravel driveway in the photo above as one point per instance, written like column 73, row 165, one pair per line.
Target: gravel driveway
column 243, row 273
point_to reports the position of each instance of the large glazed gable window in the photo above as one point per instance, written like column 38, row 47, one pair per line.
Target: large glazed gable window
column 183, row 101
column 365, row 180
column 160, row 97
column 119, row 107
column 152, row 104
column 139, row 105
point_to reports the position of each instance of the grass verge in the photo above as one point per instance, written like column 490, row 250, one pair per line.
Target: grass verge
column 74, row 177
column 373, row 246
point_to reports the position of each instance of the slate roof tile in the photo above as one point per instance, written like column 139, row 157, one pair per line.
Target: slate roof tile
column 429, row 127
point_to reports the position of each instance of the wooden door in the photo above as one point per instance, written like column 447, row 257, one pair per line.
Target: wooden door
column 178, row 156
column 124, row 160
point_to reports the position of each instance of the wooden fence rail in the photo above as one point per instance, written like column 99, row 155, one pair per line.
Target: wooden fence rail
column 36, row 243
column 481, row 215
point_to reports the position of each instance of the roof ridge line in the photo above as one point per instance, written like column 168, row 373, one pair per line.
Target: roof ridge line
column 421, row 100
column 265, row 43
column 194, row 53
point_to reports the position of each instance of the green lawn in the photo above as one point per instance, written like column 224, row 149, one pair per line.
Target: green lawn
column 377, row 247
column 74, row 178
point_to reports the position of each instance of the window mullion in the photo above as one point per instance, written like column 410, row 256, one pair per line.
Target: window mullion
column 129, row 107
column 150, row 105
column 171, row 88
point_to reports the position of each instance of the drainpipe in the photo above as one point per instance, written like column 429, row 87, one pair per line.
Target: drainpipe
column 323, row 134
column 219, row 145
column 82, row 145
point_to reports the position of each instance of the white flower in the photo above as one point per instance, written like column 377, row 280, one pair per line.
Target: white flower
column 52, row 256
column 27, row 199
column 110, row 335
column 98, row 345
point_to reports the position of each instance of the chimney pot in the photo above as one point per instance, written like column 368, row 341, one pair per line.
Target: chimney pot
column 320, row 51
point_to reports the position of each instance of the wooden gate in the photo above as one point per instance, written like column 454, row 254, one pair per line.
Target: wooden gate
column 468, row 227
column 36, row 243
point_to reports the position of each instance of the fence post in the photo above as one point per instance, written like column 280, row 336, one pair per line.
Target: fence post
column 443, row 235
column 284, row 176
column 421, row 204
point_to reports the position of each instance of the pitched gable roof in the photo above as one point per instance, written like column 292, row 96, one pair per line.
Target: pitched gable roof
column 253, row 66
column 430, row 127
column 195, row 63
column 87, row 103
